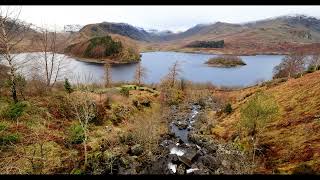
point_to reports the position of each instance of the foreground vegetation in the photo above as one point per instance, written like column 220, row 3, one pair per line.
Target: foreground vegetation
column 50, row 126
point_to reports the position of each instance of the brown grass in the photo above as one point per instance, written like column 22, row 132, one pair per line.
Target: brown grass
column 293, row 137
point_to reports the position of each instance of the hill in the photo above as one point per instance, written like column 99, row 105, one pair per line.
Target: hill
column 272, row 36
column 104, row 49
column 279, row 35
column 290, row 140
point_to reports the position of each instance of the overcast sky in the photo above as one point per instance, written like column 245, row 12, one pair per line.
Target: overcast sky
column 175, row 18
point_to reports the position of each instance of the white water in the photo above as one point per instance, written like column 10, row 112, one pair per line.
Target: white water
column 177, row 151
column 172, row 167
column 191, row 170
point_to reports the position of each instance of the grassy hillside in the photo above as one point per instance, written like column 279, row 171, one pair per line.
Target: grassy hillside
column 291, row 139
column 42, row 134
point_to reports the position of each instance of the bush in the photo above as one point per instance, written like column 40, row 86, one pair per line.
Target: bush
column 119, row 113
column 228, row 108
column 67, row 86
column 9, row 138
column 125, row 91
column 173, row 96
column 59, row 106
column 76, row 134
column 303, row 169
column 127, row 138
column 15, row 110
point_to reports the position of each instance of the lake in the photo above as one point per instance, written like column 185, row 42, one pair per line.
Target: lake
column 258, row 68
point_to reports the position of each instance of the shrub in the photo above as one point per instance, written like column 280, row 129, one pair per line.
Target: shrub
column 60, row 106
column 9, row 138
column 127, row 138
column 76, row 134
column 228, row 108
column 3, row 127
column 303, row 169
column 15, row 110
column 125, row 91
column 311, row 69
column 173, row 96
column 67, row 86
column 119, row 113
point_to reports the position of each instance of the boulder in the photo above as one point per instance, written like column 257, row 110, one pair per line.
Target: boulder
column 181, row 124
column 173, row 158
column 187, row 157
column 210, row 162
column 181, row 169
column 136, row 150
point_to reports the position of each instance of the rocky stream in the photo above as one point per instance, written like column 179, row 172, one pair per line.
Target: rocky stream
column 188, row 151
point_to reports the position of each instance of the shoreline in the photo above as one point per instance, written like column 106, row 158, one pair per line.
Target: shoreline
column 217, row 53
column 97, row 61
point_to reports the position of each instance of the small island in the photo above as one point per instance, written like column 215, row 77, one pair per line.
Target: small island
column 225, row 61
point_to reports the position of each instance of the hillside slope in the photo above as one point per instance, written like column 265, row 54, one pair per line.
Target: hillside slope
column 104, row 49
column 272, row 36
column 293, row 138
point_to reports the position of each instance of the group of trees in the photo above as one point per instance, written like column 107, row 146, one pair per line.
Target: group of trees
column 296, row 63
column 99, row 47
column 206, row 44
column 48, row 65
column 139, row 76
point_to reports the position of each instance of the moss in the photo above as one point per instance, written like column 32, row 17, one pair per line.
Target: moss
column 15, row 110
column 76, row 134
column 9, row 138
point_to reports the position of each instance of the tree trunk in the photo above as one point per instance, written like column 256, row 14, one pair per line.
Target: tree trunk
column 85, row 149
column 13, row 84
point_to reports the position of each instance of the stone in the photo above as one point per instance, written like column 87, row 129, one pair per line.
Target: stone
column 136, row 150
column 181, row 169
column 173, row 158
column 225, row 164
column 181, row 124
column 210, row 162
column 187, row 157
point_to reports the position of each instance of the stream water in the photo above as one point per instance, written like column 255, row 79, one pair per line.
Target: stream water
column 181, row 146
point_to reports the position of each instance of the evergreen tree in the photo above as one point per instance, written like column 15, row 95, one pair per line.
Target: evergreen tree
column 67, row 86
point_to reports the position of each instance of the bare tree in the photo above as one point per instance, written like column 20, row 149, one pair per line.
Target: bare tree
column 12, row 32
column 107, row 75
column 85, row 111
column 291, row 65
column 52, row 63
column 140, row 74
column 174, row 72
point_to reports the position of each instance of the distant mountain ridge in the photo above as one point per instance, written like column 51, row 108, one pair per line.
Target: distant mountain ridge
column 297, row 22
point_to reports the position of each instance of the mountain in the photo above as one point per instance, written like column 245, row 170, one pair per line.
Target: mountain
column 277, row 35
column 105, row 28
column 155, row 32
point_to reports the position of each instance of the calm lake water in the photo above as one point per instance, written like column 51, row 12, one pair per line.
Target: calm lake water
column 258, row 68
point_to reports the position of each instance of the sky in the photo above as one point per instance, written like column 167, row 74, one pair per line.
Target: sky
column 174, row 18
